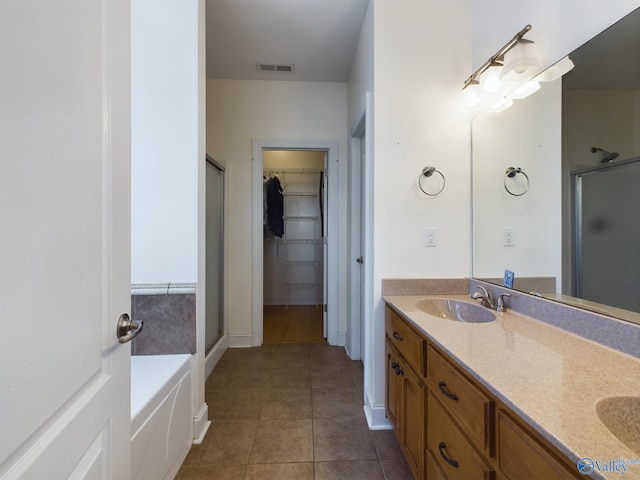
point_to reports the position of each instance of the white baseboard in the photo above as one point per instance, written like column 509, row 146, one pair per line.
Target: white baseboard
column 375, row 415
column 201, row 424
column 240, row 341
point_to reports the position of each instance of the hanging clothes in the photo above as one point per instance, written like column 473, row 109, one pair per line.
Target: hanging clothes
column 275, row 207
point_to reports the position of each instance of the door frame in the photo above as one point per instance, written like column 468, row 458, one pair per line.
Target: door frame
column 356, row 211
column 258, row 147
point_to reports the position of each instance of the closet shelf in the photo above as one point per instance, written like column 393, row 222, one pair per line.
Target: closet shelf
column 302, row 240
column 300, row 217
column 302, row 262
column 300, row 194
column 291, row 171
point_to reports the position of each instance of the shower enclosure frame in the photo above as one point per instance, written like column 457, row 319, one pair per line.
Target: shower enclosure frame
column 578, row 210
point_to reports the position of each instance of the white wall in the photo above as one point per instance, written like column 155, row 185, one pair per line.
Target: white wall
column 239, row 111
column 164, row 150
column 167, row 157
column 599, row 118
column 558, row 26
column 421, row 55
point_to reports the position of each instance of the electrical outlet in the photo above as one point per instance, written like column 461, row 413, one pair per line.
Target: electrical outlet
column 430, row 237
column 508, row 236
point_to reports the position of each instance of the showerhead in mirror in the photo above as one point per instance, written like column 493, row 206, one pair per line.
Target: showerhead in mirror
column 606, row 156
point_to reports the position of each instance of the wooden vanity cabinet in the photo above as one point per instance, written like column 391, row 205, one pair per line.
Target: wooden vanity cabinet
column 449, row 426
column 406, row 390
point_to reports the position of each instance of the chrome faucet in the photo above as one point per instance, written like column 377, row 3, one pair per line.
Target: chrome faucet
column 486, row 301
column 484, row 297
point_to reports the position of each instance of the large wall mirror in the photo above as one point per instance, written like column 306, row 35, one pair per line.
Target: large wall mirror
column 556, row 182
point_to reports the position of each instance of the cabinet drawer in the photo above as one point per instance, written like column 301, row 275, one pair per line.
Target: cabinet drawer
column 471, row 408
column 433, row 471
column 521, row 456
column 451, row 450
column 406, row 340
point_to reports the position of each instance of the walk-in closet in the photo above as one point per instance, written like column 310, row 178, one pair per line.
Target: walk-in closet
column 294, row 250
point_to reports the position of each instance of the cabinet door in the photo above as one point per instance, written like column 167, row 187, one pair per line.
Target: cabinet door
column 393, row 389
column 413, row 420
column 521, row 456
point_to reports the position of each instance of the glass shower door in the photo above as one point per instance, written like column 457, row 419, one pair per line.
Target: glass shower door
column 214, row 252
column 607, row 240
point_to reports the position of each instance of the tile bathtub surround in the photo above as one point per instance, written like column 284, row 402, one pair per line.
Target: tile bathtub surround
column 291, row 411
column 169, row 321
column 611, row 332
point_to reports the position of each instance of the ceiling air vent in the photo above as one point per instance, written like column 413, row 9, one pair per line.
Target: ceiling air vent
column 272, row 67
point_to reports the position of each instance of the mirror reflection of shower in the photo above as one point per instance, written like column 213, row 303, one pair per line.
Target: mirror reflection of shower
column 606, row 156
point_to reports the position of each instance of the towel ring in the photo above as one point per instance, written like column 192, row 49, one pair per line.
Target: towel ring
column 511, row 173
column 427, row 172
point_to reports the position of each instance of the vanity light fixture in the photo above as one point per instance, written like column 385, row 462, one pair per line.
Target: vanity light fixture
column 501, row 105
column 488, row 87
column 520, row 61
column 556, row 70
column 498, row 58
column 525, row 90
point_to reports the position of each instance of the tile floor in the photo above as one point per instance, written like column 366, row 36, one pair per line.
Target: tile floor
column 291, row 411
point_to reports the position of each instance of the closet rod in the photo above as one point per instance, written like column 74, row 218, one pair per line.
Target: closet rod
column 292, row 170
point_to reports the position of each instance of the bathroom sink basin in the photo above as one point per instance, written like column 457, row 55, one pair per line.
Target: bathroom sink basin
column 457, row 310
column 621, row 416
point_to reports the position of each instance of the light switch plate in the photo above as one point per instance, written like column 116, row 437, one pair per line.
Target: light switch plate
column 508, row 236
column 430, row 237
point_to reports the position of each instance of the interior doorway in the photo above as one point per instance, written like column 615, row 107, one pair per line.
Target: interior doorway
column 293, row 246
column 294, row 268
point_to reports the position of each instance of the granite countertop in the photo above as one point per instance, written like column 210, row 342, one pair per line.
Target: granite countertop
column 551, row 378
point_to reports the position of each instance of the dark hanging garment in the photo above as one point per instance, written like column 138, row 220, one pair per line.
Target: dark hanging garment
column 275, row 207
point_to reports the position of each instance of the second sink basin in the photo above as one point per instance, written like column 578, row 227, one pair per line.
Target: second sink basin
column 621, row 416
column 456, row 310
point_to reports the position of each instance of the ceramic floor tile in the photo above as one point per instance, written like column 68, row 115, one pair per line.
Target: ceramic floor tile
column 280, row 471
column 219, row 472
column 243, row 404
column 386, row 445
column 227, row 442
column 283, row 441
column 395, row 470
column 248, row 377
column 288, row 377
column 355, row 470
column 330, row 377
column 342, row 439
column 287, row 403
column 336, row 402
column 277, row 409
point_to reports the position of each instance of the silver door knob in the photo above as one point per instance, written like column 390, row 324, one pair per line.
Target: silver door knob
column 360, row 260
column 127, row 329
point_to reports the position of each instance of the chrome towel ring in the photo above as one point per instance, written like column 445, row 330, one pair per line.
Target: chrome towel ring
column 511, row 173
column 428, row 172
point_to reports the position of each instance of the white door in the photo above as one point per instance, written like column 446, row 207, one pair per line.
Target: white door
column 363, row 237
column 64, row 238
column 325, row 247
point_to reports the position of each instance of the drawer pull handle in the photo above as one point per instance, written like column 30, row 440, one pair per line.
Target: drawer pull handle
column 452, row 396
column 394, row 365
column 398, row 337
column 399, row 371
column 450, row 461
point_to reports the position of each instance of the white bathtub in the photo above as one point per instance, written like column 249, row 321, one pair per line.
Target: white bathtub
column 161, row 415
